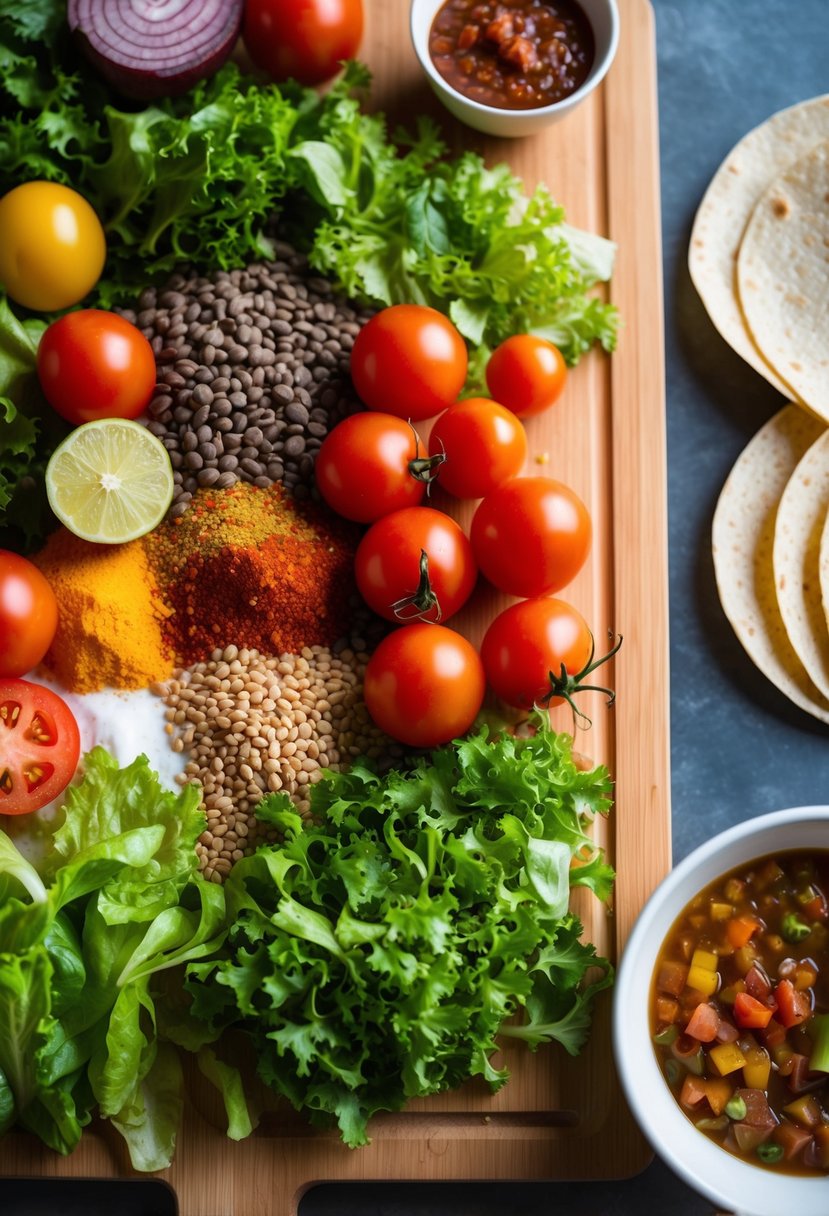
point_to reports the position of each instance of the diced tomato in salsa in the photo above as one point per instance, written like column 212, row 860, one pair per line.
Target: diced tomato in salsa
column 703, row 1023
column 751, row 1014
column 793, row 1007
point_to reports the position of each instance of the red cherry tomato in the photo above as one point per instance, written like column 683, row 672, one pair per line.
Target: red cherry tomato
column 302, row 39
column 364, row 468
column 409, row 360
column 526, row 374
column 93, row 364
column 424, row 685
column 388, row 565
column 28, row 615
column 531, row 536
column 529, row 640
column 39, row 746
column 484, row 446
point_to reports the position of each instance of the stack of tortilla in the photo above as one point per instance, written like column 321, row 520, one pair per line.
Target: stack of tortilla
column 759, row 257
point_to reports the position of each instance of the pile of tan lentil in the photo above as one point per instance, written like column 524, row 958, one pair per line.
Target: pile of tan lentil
column 249, row 724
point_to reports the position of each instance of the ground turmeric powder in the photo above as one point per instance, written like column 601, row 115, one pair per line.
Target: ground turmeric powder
column 109, row 615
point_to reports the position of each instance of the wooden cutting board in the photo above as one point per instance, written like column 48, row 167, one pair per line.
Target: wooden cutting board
column 557, row 1118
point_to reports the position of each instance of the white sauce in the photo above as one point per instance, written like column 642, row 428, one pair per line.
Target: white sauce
column 127, row 724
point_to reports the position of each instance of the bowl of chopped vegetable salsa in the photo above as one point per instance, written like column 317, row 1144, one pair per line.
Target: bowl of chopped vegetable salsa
column 721, row 1016
column 510, row 69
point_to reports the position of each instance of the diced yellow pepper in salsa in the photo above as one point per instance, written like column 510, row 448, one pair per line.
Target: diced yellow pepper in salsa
column 726, row 1058
column 757, row 1068
column 702, row 974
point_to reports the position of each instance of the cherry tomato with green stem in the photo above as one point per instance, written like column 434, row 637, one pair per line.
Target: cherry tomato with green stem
column 424, row 685
column 371, row 464
column 28, row 615
column 415, row 564
column 531, row 536
column 484, row 445
column 528, row 643
column 94, row 364
column 526, row 374
column 304, row 40
column 409, row 360
column 40, row 745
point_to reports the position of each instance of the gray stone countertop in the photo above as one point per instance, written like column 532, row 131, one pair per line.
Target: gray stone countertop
column 738, row 747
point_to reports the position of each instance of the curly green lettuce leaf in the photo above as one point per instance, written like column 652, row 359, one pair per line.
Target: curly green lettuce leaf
column 559, row 1007
column 375, row 956
column 18, row 387
column 29, row 432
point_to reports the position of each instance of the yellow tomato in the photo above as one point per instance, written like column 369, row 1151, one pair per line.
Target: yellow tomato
column 52, row 246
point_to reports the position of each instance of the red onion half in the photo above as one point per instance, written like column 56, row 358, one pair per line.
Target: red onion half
column 155, row 48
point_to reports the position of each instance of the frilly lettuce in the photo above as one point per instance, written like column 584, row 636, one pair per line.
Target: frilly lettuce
column 376, row 956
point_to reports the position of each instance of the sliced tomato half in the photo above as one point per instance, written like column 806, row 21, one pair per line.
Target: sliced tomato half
column 40, row 745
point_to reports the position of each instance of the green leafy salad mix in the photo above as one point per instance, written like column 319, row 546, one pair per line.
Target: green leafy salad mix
column 382, row 952
column 203, row 178
column 117, row 900
column 371, row 958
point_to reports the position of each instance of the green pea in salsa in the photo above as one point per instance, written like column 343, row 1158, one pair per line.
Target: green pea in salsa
column 740, row 1012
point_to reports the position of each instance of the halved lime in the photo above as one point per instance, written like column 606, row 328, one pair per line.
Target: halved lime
column 110, row 481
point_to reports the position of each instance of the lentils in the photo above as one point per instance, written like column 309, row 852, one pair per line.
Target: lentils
column 250, row 725
column 252, row 374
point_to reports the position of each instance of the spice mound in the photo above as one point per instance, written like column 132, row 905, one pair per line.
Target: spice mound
column 249, row 725
column 110, row 615
column 253, row 568
column 252, row 373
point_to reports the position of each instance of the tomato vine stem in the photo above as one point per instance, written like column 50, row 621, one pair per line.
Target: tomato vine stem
column 566, row 686
column 423, row 600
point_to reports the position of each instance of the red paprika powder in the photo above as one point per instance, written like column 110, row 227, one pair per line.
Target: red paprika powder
column 255, row 568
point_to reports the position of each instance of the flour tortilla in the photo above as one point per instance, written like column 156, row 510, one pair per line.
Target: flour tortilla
column 798, row 529
column 726, row 208
column 823, row 570
column 783, row 277
column 743, row 539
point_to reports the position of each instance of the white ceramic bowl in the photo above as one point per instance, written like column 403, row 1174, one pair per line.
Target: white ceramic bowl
column 746, row 1190
column 603, row 16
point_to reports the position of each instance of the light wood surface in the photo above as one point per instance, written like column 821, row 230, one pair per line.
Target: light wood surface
column 556, row 1118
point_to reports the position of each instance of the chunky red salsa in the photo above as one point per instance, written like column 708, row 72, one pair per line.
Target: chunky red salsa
column 740, row 1012
column 512, row 54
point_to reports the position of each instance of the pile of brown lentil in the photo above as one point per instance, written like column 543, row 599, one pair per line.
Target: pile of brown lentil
column 249, row 725
column 252, row 373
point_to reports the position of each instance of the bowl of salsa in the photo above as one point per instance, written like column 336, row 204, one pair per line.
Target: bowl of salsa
column 510, row 67
column 721, row 1016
